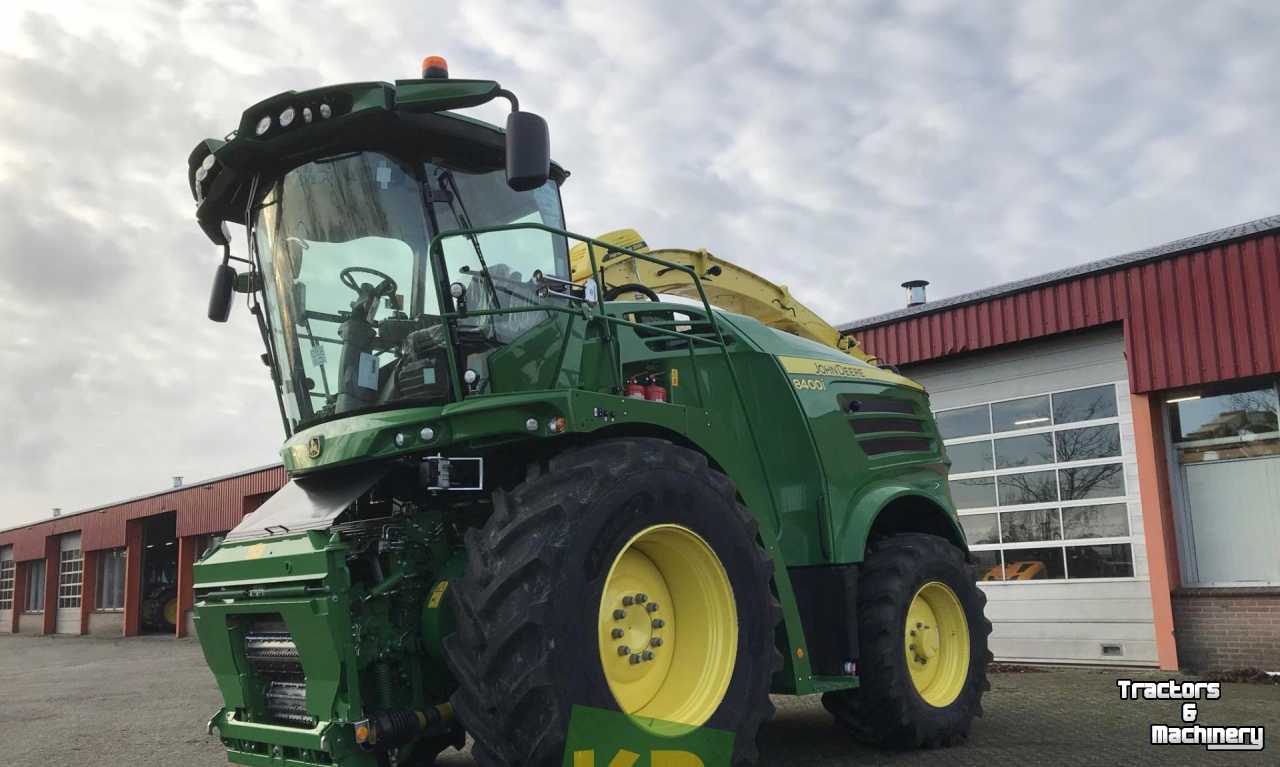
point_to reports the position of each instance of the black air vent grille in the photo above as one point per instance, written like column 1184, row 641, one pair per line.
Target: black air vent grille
column 858, row 403
column 875, row 425
column 896, row 445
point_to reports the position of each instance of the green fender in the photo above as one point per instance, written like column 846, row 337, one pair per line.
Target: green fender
column 922, row 493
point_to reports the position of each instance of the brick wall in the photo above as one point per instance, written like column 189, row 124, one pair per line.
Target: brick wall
column 1219, row 629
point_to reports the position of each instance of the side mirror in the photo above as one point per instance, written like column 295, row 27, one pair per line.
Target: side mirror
column 528, row 151
column 224, row 280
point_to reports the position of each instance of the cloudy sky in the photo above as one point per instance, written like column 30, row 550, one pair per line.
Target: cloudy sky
column 839, row 148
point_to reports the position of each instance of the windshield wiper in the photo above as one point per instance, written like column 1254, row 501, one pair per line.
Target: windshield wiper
column 460, row 215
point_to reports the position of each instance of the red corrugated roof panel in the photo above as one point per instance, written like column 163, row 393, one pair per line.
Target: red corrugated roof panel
column 209, row 507
column 1190, row 318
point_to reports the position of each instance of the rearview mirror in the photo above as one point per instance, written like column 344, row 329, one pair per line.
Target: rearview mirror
column 224, row 280
column 528, row 151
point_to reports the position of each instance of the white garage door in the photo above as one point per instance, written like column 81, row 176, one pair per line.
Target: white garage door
column 1045, row 477
column 70, row 583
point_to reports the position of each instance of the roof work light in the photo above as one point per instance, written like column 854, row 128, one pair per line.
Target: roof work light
column 435, row 66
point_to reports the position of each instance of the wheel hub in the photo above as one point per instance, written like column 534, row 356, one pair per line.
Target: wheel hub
column 638, row 628
column 925, row 642
column 668, row 627
column 937, row 644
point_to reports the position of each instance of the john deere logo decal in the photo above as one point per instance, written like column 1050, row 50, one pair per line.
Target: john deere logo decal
column 315, row 446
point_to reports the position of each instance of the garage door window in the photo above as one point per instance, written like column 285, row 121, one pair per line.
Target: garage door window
column 6, row 584
column 1039, row 482
column 35, row 587
column 70, row 577
column 110, row 594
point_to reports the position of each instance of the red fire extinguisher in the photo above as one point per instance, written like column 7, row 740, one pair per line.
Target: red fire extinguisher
column 654, row 391
column 634, row 389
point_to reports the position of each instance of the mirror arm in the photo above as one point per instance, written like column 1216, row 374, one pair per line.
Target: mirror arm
column 509, row 96
column 226, row 256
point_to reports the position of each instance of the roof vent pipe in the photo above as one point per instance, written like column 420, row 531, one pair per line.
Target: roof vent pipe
column 915, row 291
column 177, row 480
column 57, row 511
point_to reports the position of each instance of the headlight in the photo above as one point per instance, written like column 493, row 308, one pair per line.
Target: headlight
column 286, row 117
column 264, row 125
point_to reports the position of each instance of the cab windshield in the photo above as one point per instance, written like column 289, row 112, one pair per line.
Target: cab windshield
column 352, row 299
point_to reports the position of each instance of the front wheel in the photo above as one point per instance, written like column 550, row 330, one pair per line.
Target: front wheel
column 625, row 576
column 923, row 642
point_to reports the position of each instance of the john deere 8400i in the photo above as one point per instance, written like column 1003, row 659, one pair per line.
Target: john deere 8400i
column 513, row 492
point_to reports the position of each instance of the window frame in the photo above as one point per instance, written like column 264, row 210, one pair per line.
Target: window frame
column 8, row 580
column 1188, row 560
column 70, row 594
column 35, row 586
column 1052, row 429
column 109, row 558
column 1256, row 385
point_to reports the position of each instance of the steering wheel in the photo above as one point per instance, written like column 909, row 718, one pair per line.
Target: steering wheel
column 631, row 287
column 387, row 287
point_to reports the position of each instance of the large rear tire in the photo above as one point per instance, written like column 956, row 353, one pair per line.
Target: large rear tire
column 610, row 522
column 923, row 642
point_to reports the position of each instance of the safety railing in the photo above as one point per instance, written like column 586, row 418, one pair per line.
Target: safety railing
column 577, row 306
column 436, row 252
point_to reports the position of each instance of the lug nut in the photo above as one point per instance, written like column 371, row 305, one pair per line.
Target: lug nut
column 624, row 650
column 641, row 598
column 647, row 655
column 659, row 623
column 628, row 600
column 656, row 642
column 652, row 607
column 635, row 660
column 617, row 633
column 619, row 614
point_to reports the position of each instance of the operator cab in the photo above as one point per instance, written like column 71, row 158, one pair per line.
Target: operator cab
column 371, row 286
column 353, row 299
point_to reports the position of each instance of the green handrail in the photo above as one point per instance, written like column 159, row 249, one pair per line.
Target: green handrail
column 436, row 253
column 436, row 250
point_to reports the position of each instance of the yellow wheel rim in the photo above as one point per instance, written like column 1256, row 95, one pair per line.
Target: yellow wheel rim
column 668, row 630
column 171, row 612
column 937, row 644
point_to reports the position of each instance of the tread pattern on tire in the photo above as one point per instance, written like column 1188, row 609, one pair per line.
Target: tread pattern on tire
column 500, row 654
column 885, row 710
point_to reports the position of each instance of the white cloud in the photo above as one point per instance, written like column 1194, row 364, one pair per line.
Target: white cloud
column 835, row 147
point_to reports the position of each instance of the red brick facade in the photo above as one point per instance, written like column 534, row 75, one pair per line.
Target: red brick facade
column 1220, row 629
